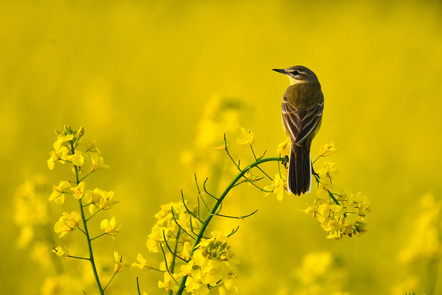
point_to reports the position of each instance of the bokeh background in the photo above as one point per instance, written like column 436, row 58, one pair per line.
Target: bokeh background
column 143, row 77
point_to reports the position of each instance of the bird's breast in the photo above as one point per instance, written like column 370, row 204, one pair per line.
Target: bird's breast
column 303, row 96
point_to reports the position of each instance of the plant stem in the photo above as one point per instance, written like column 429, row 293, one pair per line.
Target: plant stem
column 113, row 276
column 172, row 264
column 216, row 206
column 77, row 257
column 88, row 238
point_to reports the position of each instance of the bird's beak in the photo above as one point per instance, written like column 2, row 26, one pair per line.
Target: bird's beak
column 282, row 71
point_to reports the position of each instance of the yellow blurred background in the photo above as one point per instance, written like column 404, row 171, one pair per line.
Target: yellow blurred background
column 138, row 76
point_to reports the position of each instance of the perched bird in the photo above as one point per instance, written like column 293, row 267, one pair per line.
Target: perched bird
column 302, row 107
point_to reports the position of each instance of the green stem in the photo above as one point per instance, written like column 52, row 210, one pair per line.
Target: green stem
column 331, row 195
column 98, row 236
column 316, row 159
column 77, row 257
column 216, row 206
column 172, row 264
column 88, row 238
column 93, row 215
column 84, row 177
column 138, row 287
column 113, row 276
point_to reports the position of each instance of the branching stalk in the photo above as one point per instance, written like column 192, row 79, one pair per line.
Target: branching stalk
column 218, row 203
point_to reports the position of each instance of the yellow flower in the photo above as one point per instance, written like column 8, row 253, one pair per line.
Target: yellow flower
column 77, row 159
column 58, row 192
column 351, row 219
column 62, row 141
column 78, row 191
column 278, row 185
column 360, row 203
column 61, row 150
column 67, row 223
column 312, row 210
column 80, row 132
column 326, row 176
column 338, row 211
column 142, row 263
column 168, row 284
column 90, row 146
column 110, row 227
column 54, row 158
column 210, row 265
column 167, row 224
column 71, row 147
column 187, row 248
column 330, row 224
column 60, row 251
column 324, row 209
column 97, row 162
column 343, row 219
column 284, row 147
column 335, row 235
column 327, row 170
column 327, row 149
column 194, row 285
column 247, row 139
column 102, row 199
column 120, row 262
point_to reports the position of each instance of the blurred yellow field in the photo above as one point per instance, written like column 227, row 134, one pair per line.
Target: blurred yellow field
column 157, row 84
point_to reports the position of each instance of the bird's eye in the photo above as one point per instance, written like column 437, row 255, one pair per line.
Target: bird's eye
column 295, row 73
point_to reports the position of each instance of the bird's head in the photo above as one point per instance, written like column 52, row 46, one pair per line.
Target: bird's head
column 298, row 75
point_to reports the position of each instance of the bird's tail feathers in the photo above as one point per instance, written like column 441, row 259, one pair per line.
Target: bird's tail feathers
column 299, row 178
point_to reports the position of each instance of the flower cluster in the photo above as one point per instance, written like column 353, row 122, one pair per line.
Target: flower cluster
column 211, row 267
column 340, row 214
column 71, row 147
column 172, row 235
column 84, row 158
column 192, row 263
column 174, row 225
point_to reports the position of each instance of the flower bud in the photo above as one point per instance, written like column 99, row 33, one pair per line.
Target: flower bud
column 80, row 132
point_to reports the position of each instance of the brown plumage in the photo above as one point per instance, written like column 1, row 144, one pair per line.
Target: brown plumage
column 302, row 107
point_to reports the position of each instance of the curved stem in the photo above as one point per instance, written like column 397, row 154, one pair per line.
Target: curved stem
column 88, row 238
column 216, row 206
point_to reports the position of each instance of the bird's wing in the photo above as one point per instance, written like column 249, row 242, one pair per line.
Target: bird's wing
column 300, row 124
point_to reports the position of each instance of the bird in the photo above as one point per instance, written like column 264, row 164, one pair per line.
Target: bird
column 302, row 107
